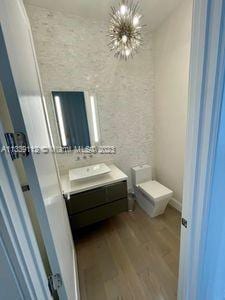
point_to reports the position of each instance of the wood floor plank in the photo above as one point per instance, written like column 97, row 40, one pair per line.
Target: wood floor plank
column 124, row 265
column 118, row 288
column 94, row 284
column 130, row 257
column 105, row 260
column 151, row 229
column 163, row 273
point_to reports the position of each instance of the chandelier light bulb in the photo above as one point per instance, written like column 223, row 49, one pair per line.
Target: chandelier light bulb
column 123, row 9
column 136, row 20
column 127, row 52
column 124, row 39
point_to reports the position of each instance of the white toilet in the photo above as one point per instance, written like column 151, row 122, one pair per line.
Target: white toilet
column 152, row 196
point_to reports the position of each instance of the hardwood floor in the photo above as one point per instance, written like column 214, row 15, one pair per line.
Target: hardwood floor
column 130, row 256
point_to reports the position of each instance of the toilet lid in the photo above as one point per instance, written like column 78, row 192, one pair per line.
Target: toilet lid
column 155, row 190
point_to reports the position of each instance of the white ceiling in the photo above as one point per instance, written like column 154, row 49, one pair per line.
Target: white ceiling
column 154, row 11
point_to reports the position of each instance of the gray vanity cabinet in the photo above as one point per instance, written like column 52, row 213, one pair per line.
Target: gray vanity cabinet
column 94, row 205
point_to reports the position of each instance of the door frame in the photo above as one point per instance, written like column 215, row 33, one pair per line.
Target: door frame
column 206, row 83
column 17, row 235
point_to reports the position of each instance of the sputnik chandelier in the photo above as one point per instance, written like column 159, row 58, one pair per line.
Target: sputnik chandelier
column 125, row 29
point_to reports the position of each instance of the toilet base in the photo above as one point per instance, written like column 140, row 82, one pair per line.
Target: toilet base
column 152, row 209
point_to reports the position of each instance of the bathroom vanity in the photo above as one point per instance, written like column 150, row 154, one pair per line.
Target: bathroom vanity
column 92, row 193
column 92, row 200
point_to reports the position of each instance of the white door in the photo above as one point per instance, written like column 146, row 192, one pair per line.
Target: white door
column 22, row 275
column 9, row 287
column 206, row 88
column 22, row 87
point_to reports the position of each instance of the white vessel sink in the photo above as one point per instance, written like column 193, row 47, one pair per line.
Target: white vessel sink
column 88, row 172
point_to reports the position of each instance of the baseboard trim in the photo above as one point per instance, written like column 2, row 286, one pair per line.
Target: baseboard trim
column 176, row 204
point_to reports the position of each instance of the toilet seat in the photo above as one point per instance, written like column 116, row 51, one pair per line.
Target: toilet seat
column 154, row 190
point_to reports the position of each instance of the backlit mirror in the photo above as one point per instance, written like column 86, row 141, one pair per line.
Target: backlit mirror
column 77, row 118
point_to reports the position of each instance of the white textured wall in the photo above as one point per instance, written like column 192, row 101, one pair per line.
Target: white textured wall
column 171, row 67
column 73, row 54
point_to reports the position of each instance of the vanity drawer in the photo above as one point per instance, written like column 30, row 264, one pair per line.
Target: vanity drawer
column 116, row 191
column 100, row 196
column 98, row 214
column 85, row 200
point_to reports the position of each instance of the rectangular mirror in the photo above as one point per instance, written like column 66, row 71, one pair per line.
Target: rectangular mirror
column 77, row 118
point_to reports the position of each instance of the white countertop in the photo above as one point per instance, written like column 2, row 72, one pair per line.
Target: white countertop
column 74, row 187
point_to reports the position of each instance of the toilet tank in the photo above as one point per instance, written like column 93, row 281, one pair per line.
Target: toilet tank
column 141, row 174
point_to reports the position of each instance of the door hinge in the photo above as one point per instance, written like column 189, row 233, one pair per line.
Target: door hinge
column 17, row 144
column 54, row 282
column 184, row 222
column 25, row 188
